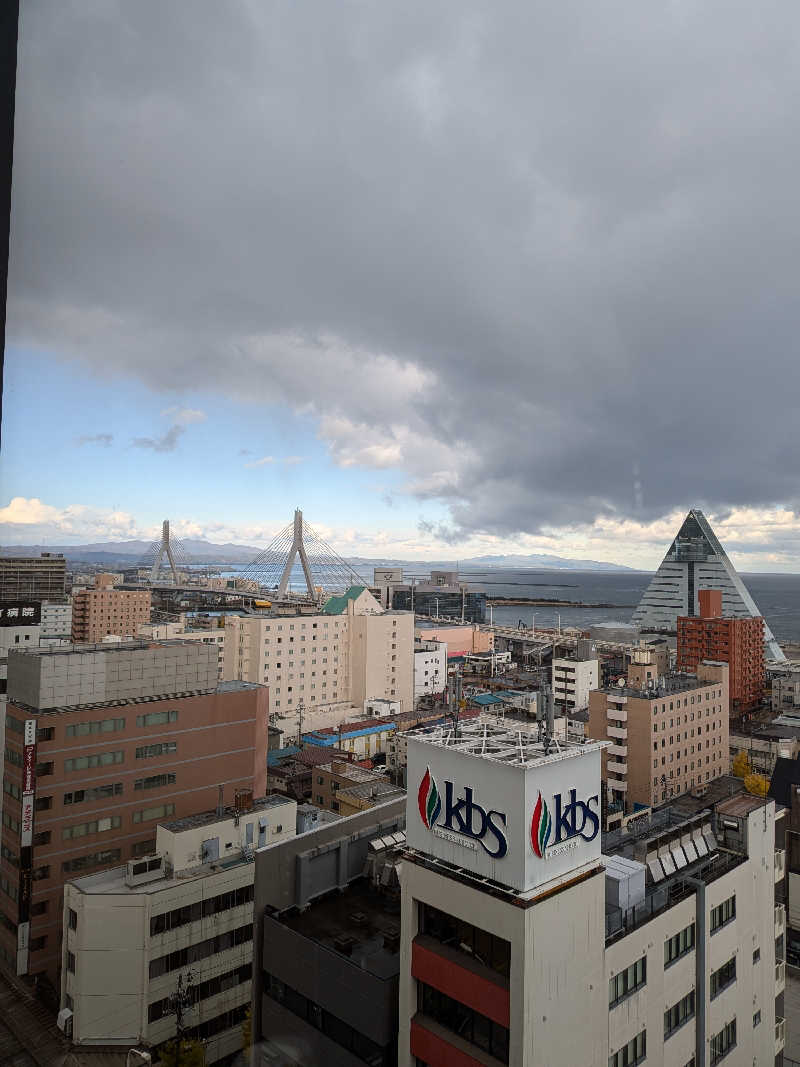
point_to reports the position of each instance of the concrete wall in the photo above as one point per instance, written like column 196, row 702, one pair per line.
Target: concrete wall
column 61, row 679
column 459, row 639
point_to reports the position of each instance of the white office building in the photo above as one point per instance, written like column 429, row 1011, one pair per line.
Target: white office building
column 573, row 681
column 130, row 933
column 430, row 668
column 528, row 938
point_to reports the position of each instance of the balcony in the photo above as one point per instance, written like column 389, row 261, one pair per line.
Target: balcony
column 617, row 785
column 780, row 1035
column 780, row 919
column 618, row 714
column 780, row 864
column 617, row 767
column 621, row 733
column 780, row 977
column 617, row 750
column 616, row 698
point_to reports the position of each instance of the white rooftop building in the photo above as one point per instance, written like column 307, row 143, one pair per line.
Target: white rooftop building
column 131, row 932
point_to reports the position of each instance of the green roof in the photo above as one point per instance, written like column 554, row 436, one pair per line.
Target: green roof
column 337, row 605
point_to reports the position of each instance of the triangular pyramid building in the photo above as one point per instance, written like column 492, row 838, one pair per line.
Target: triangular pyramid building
column 696, row 560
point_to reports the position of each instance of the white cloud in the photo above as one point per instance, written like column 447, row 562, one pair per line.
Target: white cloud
column 184, row 416
column 263, row 462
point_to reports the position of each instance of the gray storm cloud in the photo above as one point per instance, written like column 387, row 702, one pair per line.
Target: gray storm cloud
column 519, row 250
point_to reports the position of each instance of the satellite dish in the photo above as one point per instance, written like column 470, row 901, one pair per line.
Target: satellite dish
column 621, row 682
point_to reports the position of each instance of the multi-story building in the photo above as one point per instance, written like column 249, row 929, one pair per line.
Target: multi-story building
column 326, row 949
column 105, row 611
column 327, row 662
column 56, row 621
column 696, row 561
column 442, row 597
column 573, row 681
column 460, row 640
column 164, row 631
column 667, row 736
column 785, row 686
column 101, row 744
column 522, row 942
column 184, row 913
column 739, row 642
column 430, row 668
column 33, row 577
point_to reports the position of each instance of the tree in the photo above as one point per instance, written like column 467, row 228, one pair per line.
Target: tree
column 190, row 1054
column 247, row 1030
column 756, row 784
column 741, row 765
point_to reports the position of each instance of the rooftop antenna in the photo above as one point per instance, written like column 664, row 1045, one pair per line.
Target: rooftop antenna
column 164, row 548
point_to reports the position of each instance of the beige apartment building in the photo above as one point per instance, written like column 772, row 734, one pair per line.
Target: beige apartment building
column 667, row 736
column 324, row 664
column 104, row 610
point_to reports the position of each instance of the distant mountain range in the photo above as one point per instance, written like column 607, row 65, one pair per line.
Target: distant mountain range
column 128, row 553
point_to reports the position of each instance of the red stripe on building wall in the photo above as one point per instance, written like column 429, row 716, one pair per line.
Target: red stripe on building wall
column 481, row 994
column 435, row 1050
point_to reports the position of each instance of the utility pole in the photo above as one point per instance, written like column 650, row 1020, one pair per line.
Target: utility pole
column 300, row 710
column 179, row 1003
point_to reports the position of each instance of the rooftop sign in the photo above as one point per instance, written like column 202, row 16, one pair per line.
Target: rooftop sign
column 503, row 809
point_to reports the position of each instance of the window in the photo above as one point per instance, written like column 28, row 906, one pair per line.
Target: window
column 485, row 948
column 470, row 1025
column 10, row 822
column 627, row 982
column 203, row 990
column 723, row 977
column 160, row 812
column 756, row 955
column 155, row 781
column 98, row 726
column 42, row 838
column 40, row 873
column 72, row 919
column 94, row 826
column 38, row 943
column 98, row 759
column 170, row 920
column 634, row 1052
column 165, row 748
column 143, row 848
column 45, row 733
column 12, row 789
column 723, row 914
column 97, row 792
column 71, row 962
column 723, row 1042
column 157, row 718
column 756, row 1019
column 93, row 859
column 678, row 1014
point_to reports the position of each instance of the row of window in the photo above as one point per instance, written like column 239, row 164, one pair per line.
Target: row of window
column 338, row 1031
column 93, row 859
column 96, row 726
column 724, row 1041
column 485, row 948
column 627, row 982
column 163, row 748
column 679, row 944
column 158, row 812
column 94, row 826
column 189, row 913
column 203, row 990
column 723, row 977
column 185, row 957
column 97, row 759
column 678, row 1014
column 634, row 1052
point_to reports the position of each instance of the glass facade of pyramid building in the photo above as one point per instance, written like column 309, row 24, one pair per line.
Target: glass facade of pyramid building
column 696, row 560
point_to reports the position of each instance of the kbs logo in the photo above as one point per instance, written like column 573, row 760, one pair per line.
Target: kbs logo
column 461, row 816
column 572, row 820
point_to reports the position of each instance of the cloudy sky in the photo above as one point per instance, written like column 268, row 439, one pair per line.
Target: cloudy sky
column 456, row 278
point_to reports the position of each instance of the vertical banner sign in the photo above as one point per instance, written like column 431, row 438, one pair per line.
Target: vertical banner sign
column 26, row 841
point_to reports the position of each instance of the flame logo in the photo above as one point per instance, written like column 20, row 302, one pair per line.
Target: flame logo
column 428, row 799
column 541, row 825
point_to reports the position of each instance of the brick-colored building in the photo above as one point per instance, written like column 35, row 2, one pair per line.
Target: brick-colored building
column 739, row 642
column 146, row 733
column 104, row 610
column 667, row 736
